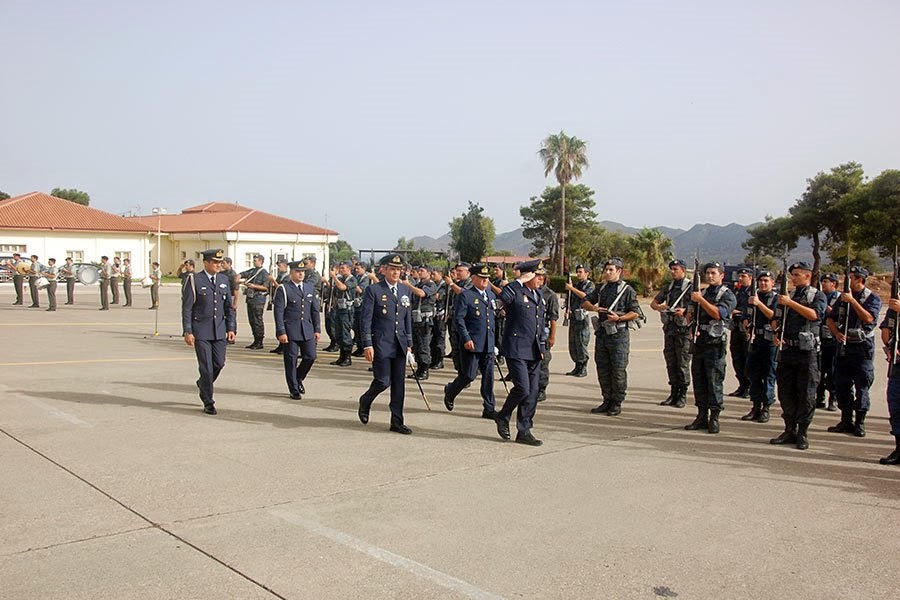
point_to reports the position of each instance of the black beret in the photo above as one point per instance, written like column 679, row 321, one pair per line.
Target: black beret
column 765, row 273
column 830, row 277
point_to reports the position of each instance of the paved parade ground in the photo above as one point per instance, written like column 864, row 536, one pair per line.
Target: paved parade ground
column 116, row 485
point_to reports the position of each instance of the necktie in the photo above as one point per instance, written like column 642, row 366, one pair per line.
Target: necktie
column 394, row 292
column 483, row 295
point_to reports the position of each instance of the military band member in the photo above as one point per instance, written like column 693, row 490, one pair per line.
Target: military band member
column 386, row 323
column 439, row 322
column 207, row 319
column 854, row 369
column 888, row 327
column 114, row 279
column 551, row 316
column 51, row 272
column 715, row 304
column 126, row 280
column 106, row 273
column 476, row 323
column 522, row 346
column 296, row 309
column 579, row 321
column 155, row 277
column 738, row 341
column 68, row 271
column 617, row 306
column 256, row 290
column 462, row 282
column 672, row 302
column 362, row 282
column 828, row 353
column 761, row 358
column 18, row 278
column 34, row 272
column 797, row 372
column 344, row 290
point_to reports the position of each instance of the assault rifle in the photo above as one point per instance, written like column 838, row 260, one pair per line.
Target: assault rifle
column 781, row 311
column 568, row 304
column 695, row 307
column 844, row 311
column 751, row 309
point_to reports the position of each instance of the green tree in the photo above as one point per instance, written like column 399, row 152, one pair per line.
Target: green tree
column 567, row 157
column 773, row 239
column 541, row 221
column 649, row 254
column 339, row 251
column 413, row 255
column 874, row 209
column 591, row 244
column 4, row 196
column 72, row 195
column 472, row 234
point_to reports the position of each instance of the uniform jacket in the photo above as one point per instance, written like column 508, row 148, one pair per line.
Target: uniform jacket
column 384, row 321
column 296, row 311
column 523, row 332
column 475, row 320
column 206, row 309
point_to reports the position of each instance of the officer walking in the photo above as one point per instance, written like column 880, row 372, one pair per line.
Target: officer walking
column 207, row 319
column 712, row 309
column 617, row 306
column 106, row 273
column 297, row 327
column 672, row 302
column 761, row 358
column 738, row 341
column 256, row 290
column 797, row 373
column 126, row 280
column 463, row 282
column 551, row 316
column 522, row 346
column 829, row 345
column 51, row 272
column 579, row 323
column 423, row 290
column 477, row 325
column 853, row 325
column 68, row 271
column 344, row 288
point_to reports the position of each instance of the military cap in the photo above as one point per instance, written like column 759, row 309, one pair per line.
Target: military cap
column 764, row 273
column 859, row 271
column 744, row 271
column 677, row 263
column 614, row 261
column 362, row 264
column 189, row 261
column 581, row 266
column 346, row 263
column 531, row 266
column 296, row 265
column 427, row 268
column 830, row 277
column 214, row 254
column 310, row 258
column 391, row 260
column 463, row 265
column 713, row 265
column 104, row 257
column 803, row 265
column 281, row 261
column 481, row 270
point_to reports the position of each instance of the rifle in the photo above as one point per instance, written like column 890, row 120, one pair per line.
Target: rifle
column 568, row 304
column 781, row 311
column 695, row 307
column 447, row 293
column 844, row 310
column 752, row 309
column 895, row 294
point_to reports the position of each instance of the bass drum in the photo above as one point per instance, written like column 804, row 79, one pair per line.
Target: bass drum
column 88, row 274
column 41, row 283
column 146, row 282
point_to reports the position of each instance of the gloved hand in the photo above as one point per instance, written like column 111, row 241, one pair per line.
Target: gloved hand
column 496, row 351
column 411, row 360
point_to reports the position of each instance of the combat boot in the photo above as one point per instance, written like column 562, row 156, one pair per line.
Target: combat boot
column 358, row 352
column 832, row 405
column 582, row 369
column 859, row 428
column 788, row 437
column 437, row 365
column 603, row 408
column 763, row 416
column 701, row 422
column 614, row 410
column 574, row 369
column 894, row 457
column 845, row 425
column 802, row 440
column 671, row 399
column 331, row 347
column 753, row 414
column 680, row 397
column 820, row 400
column 713, row 426
column 422, row 373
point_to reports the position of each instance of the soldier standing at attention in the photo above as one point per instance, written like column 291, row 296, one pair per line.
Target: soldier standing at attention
column 155, row 276
column 439, row 322
column 255, row 291
column 68, row 271
column 579, row 323
column 888, row 327
column 617, row 306
column 34, row 272
column 497, row 283
column 114, row 279
column 854, row 369
column 126, row 280
column 712, row 309
column 207, row 319
column 18, row 278
column 234, row 283
column 476, row 324
column 798, row 366
column 106, row 273
column 828, row 354
column 344, row 290
column 51, row 272
column 386, row 324
column 672, row 302
column 551, row 316
column 761, row 358
column 423, row 290
column 738, row 341
column 276, row 280
column 296, row 309
column 362, row 282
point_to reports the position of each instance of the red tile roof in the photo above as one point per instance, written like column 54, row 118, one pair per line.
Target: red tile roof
column 222, row 216
column 42, row 211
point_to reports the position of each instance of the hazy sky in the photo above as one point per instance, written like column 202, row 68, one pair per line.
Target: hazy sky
column 383, row 119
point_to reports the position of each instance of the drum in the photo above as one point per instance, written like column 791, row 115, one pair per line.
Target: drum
column 146, row 282
column 88, row 274
column 41, row 283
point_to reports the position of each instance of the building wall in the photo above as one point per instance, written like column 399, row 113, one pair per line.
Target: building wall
column 83, row 246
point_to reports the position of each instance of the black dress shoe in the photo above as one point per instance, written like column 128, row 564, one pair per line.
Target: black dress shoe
column 209, row 409
column 891, row 459
column 296, row 396
column 737, row 393
column 300, row 387
column 448, row 401
column 614, row 410
column 752, row 415
column 276, row 350
column 528, row 439
column 488, row 414
column 502, row 426
column 398, row 427
column 363, row 413
column 250, row 346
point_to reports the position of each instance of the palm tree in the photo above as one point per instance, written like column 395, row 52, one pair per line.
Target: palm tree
column 566, row 156
column 650, row 252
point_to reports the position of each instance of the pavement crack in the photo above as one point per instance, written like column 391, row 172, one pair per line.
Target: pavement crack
column 78, row 541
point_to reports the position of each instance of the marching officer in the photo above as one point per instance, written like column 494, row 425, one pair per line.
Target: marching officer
column 551, row 316
column 386, row 324
column 207, row 319
column 68, row 271
column 106, row 273
column 423, row 290
column 255, row 282
column 579, row 323
column 738, row 341
column 297, row 327
column 761, row 357
column 672, row 302
column 829, row 345
column 477, row 326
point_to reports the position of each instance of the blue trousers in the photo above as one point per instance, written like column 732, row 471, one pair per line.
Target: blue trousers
column 388, row 372
column 525, row 375
column 798, row 377
column 893, row 400
column 761, row 373
column 294, row 373
column 611, row 358
column 210, row 360
column 471, row 363
column 708, row 372
column 854, row 373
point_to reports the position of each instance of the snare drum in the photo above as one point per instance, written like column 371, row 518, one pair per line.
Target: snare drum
column 41, row 283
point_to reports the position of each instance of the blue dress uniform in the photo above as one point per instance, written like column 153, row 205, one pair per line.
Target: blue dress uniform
column 522, row 347
column 386, row 323
column 296, row 309
column 888, row 327
column 208, row 314
column 854, row 367
column 476, row 322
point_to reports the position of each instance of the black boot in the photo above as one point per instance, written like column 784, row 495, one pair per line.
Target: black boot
column 894, row 457
column 398, row 426
column 763, row 416
column 701, row 422
column 358, row 352
column 846, row 424
column 680, row 396
column 423, row 373
column 713, row 421
column 603, row 408
column 859, row 428
column 331, row 347
column 753, row 414
column 344, row 359
column 437, row 365
column 614, row 410
column 802, row 440
column 574, row 369
column 582, row 369
column 820, row 400
column 671, row 398
column 788, row 437
column 832, row 405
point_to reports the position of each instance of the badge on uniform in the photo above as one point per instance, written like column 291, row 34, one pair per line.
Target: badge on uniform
column 404, row 301
column 476, row 300
column 384, row 297
column 525, row 298
column 203, row 288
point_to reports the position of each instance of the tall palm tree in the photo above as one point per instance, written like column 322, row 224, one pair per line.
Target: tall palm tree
column 566, row 156
column 650, row 252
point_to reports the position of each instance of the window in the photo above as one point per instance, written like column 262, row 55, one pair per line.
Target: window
column 281, row 256
column 248, row 259
column 75, row 255
column 10, row 248
column 123, row 254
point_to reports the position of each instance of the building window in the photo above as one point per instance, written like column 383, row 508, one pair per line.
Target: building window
column 248, row 259
column 123, row 254
column 75, row 255
column 20, row 248
column 281, row 256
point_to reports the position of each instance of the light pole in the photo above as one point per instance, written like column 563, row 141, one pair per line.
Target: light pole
column 159, row 212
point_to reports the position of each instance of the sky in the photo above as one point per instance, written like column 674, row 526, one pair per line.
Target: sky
column 381, row 120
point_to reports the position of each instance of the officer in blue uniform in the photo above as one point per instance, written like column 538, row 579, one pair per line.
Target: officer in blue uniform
column 738, row 341
column 208, row 322
column 476, row 324
column 386, row 323
column 888, row 327
column 522, row 347
column 761, row 357
column 296, row 309
column 853, row 324
column 439, row 328
column 828, row 354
